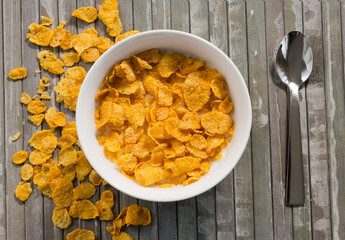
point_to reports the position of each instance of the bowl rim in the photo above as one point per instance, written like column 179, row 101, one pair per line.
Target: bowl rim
column 187, row 194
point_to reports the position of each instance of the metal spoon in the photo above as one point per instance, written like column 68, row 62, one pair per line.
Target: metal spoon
column 294, row 63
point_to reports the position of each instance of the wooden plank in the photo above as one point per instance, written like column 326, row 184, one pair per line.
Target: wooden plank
column 34, row 205
column 2, row 138
column 278, row 121
column 12, row 39
column 260, row 129
column 224, row 191
column 49, row 8
column 161, row 18
column 244, row 220
column 66, row 7
column 206, row 211
column 319, row 177
column 293, row 13
column 186, row 210
column 334, row 82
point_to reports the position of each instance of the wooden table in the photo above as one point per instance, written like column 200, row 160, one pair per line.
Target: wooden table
column 249, row 203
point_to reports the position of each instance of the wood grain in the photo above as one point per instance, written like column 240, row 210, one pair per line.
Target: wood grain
column 334, row 86
column 12, row 39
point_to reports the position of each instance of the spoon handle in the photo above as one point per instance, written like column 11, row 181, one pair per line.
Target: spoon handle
column 294, row 162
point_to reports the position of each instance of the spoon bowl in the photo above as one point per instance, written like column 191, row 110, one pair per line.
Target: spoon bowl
column 294, row 63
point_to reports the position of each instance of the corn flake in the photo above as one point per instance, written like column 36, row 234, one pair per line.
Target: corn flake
column 67, row 41
column 122, row 236
column 50, row 62
column 20, row 157
column 108, row 197
column 87, row 14
column 219, row 87
column 36, row 119
column 46, row 21
column 67, row 155
column 83, row 167
column 16, row 136
column 27, row 172
column 25, row 98
column 63, row 194
column 167, row 65
column 84, row 191
column 23, row 191
column 216, row 122
column 17, row 73
column 39, row 34
column 44, row 141
column 37, row 157
column 71, row 58
column 58, row 35
column 66, row 140
column 94, row 178
column 55, row 119
column 105, row 212
column 125, row 35
column 61, row 218
column 81, row 234
column 90, row 55
column 83, row 209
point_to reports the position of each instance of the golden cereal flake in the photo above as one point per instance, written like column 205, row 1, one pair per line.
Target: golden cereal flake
column 61, row 218
column 17, row 73
column 87, row 14
column 23, row 191
column 81, row 234
column 16, row 136
column 20, row 157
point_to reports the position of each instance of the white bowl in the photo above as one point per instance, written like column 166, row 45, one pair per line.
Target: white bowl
column 179, row 42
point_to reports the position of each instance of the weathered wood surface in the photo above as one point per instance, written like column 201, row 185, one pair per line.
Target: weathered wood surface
column 247, row 204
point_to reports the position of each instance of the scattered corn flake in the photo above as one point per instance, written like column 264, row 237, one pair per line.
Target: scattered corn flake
column 70, row 128
column 50, row 62
column 71, row 58
column 55, row 119
column 46, row 21
column 90, row 55
column 84, row 191
column 61, row 218
column 83, row 209
column 104, row 44
column 87, row 14
column 16, row 136
column 125, row 35
column 23, row 191
column 81, row 234
column 20, row 157
column 109, row 15
column 25, row 98
column 216, row 122
column 44, row 141
column 17, row 73
column 42, row 85
column 63, row 194
column 39, row 34
column 36, row 107
column 84, row 41
column 37, row 157
column 83, row 167
column 94, row 178
column 66, row 140
column 69, row 172
column 108, row 197
column 27, row 172
column 45, row 96
column 36, row 119
column 38, row 70
column 105, row 212
column 122, row 236
column 137, row 215
column 67, row 155
column 58, row 35
column 67, row 41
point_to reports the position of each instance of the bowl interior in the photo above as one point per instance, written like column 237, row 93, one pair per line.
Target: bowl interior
column 179, row 42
